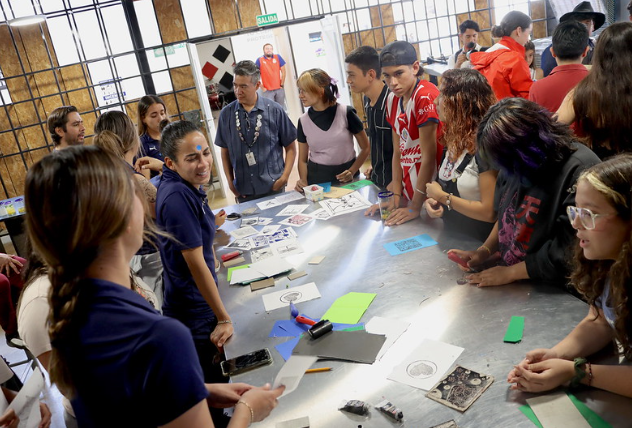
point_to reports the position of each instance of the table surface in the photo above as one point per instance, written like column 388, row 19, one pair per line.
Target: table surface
column 419, row 287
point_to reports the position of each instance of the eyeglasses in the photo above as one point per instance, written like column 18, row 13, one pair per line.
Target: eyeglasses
column 586, row 217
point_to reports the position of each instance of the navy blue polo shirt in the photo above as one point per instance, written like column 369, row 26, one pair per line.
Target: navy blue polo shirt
column 150, row 147
column 183, row 212
column 126, row 358
column 277, row 132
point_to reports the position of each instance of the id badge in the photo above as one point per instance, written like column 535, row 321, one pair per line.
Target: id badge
column 250, row 157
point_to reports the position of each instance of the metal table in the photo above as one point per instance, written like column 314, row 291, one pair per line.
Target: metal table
column 418, row 287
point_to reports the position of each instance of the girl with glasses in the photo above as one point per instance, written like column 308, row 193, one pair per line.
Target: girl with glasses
column 602, row 218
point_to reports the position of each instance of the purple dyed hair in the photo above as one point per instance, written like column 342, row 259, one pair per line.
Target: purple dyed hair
column 521, row 138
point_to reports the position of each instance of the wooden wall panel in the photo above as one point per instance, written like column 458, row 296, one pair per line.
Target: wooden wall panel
column 6, row 177
column 34, row 47
column 188, row 100
column 170, row 21
column 376, row 22
column 224, row 15
column 33, row 137
column 539, row 30
column 9, row 60
column 388, row 19
column 538, row 10
column 182, row 78
column 248, row 11
column 8, row 144
column 4, row 120
column 25, row 113
column 14, row 179
column 170, row 102
column 348, row 42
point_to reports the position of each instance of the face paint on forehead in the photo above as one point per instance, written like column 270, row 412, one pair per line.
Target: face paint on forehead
column 198, row 147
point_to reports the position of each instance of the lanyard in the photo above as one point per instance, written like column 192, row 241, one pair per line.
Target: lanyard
column 257, row 128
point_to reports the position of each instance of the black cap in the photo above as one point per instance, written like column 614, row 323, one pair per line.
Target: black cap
column 398, row 53
column 583, row 11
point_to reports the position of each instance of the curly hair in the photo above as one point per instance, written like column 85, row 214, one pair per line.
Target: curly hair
column 602, row 100
column 613, row 179
column 465, row 98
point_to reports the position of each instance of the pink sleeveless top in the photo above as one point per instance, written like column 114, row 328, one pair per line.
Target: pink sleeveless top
column 331, row 147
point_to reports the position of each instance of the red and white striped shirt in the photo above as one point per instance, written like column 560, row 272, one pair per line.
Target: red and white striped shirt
column 419, row 110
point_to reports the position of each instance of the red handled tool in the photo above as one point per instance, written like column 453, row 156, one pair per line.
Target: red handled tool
column 457, row 259
column 232, row 255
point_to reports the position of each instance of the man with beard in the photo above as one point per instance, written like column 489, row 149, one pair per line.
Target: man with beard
column 66, row 127
column 272, row 67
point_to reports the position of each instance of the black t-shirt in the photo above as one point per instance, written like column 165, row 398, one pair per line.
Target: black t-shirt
column 324, row 119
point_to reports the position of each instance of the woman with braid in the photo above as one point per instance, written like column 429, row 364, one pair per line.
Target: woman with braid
column 118, row 359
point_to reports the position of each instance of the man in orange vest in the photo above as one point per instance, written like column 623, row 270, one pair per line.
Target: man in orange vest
column 272, row 69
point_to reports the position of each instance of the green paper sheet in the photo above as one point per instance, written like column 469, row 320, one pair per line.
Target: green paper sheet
column 593, row 419
column 348, row 309
column 514, row 331
column 357, row 184
column 229, row 273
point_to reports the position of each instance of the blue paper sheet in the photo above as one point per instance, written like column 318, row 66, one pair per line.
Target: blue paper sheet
column 409, row 244
column 286, row 348
column 326, row 187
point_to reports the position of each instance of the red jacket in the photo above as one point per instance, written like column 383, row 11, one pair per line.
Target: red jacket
column 505, row 68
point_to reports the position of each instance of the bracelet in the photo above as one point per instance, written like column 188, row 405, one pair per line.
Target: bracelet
column 252, row 412
column 579, row 372
column 590, row 375
column 485, row 247
column 448, row 201
column 224, row 322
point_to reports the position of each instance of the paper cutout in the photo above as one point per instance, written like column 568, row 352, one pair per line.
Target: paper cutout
column 357, row 184
column 593, row 418
column 292, row 372
column 514, row 331
column 392, row 329
column 297, row 220
column 557, row 411
column 281, row 299
column 229, row 274
column 286, row 248
column 358, row 346
column 291, row 210
column 261, row 254
column 349, row 308
column 268, row 204
column 243, row 232
column 426, row 365
column 337, row 192
column 409, row 244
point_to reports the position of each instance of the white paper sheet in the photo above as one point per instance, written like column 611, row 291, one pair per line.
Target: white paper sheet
column 263, row 221
column 297, row 220
column 292, row 372
column 289, row 197
column 321, row 214
column 258, row 241
column 426, row 365
column 261, row 254
column 250, row 221
column 291, row 210
column 245, row 276
column 26, row 403
column 557, row 411
column 286, row 248
column 282, row 235
column 391, row 328
column 282, row 298
column 346, row 204
column 242, row 244
column 268, row 204
column 272, row 266
column 269, row 230
column 243, row 232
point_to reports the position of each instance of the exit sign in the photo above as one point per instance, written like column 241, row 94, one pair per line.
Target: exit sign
column 269, row 19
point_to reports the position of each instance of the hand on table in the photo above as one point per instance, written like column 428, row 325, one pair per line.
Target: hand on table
column 221, row 334
column 261, row 400
column 345, row 176
column 433, row 208
column 542, row 376
column 8, row 263
column 497, row 275
column 473, row 258
column 401, row 216
column 225, row 395
column 299, row 186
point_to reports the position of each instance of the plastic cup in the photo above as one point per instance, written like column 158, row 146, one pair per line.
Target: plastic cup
column 385, row 201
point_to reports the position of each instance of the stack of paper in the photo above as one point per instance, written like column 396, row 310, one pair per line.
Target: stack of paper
column 265, row 268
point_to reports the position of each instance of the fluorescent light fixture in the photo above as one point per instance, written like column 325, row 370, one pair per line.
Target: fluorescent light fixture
column 26, row 20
